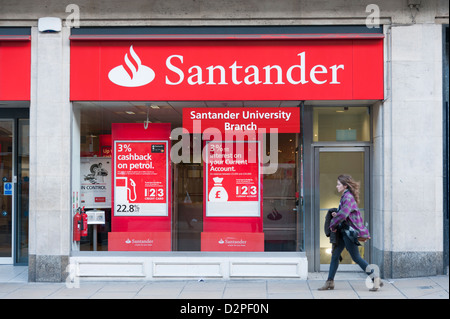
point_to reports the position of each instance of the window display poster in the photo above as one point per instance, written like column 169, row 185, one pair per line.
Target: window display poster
column 140, row 178
column 95, row 182
column 139, row 241
column 105, row 145
column 232, row 241
column 233, row 179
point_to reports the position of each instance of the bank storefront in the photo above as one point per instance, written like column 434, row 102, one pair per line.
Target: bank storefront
column 214, row 152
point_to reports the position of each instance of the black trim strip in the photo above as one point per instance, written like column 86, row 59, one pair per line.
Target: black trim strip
column 15, row 37
column 15, row 31
column 227, row 30
column 327, row 36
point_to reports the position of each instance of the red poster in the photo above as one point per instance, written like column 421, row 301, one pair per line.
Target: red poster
column 232, row 241
column 233, row 179
column 285, row 120
column 140, row 178
column 139, row 241
column 105, row 145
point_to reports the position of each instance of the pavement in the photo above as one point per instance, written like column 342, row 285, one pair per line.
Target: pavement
column 348, row 285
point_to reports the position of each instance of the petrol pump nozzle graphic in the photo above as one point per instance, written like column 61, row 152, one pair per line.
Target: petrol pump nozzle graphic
column 133, row 184
column 125, row 194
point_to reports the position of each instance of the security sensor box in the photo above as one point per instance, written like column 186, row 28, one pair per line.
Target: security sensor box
column 49, row 24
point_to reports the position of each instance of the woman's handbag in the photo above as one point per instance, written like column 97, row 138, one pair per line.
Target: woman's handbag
column 353, row 234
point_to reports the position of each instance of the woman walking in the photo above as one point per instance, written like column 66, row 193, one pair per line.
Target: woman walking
column 348, row 221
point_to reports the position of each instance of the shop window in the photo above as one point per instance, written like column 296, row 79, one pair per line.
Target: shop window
column 281, row 214
column 281, row 202
column 341, row 124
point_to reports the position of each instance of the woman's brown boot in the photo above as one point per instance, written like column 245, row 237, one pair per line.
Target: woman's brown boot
column 329, row 285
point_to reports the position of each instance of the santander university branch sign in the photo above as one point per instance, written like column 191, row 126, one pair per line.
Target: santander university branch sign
column 343, row 69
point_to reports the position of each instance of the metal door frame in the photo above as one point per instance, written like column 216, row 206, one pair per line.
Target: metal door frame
column 10, row 260
column 316, row 201
column 14, row 114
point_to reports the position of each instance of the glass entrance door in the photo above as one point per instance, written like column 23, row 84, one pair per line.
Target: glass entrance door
column 14, row 175
column 7, row 190
column 330, row 162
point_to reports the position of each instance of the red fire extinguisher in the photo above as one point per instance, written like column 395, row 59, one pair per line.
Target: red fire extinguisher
column 77, row 222
column 84, row 228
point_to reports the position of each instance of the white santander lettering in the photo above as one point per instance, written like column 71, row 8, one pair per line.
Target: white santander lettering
column 301, row 66
column 254, row 75
column 334, row 69
column 211, row 74
column 312, row 75
column 234, row 68
column 237, row 74
column 173, row 68
column 279, row 74
column 197, row 75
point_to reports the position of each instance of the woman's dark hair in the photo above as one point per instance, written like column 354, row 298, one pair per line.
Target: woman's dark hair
column 352, row 185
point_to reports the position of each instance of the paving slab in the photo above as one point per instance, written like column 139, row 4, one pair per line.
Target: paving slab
column 441, row 281
column 414, row 288
column 34, row 291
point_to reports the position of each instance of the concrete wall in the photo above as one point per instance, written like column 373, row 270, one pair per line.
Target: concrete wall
column 407, row 172
column 407, row 151
column 223, row 12
column 50, row 162
column 417, row 149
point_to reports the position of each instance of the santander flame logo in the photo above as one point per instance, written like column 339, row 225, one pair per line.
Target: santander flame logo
column 133, row 74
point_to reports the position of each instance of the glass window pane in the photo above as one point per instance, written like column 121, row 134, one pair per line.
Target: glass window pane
column 280, row 198
column 189, row 212
column 341, row 124
column 6, row 173
column 280, row 215
column 23, row 190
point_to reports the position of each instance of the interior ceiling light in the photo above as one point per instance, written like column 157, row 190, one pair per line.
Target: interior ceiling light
column 343, row 110
column 154, row 106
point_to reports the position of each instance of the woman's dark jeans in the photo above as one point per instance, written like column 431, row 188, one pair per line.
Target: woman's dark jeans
column 345, row 242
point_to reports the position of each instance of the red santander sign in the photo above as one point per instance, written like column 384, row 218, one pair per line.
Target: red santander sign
column 344, row 69
column 15, row 70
